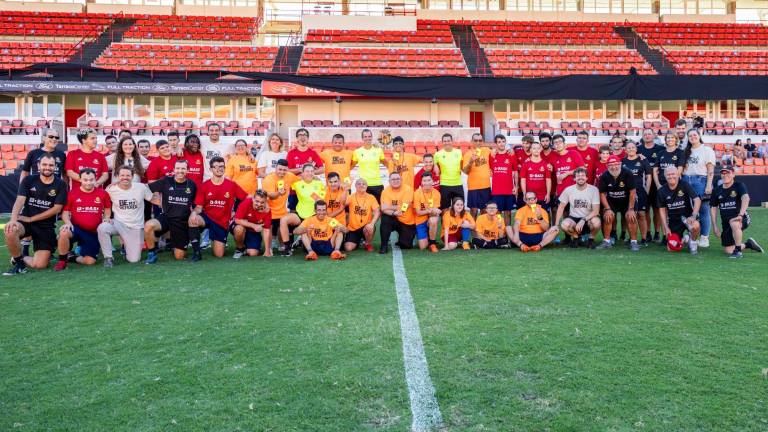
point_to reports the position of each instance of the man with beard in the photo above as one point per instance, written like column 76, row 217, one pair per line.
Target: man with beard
column 617, row 196
column 583, row 201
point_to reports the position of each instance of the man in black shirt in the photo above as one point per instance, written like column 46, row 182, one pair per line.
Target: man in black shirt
column 178, row 199
column 679, row 206
column 617, row 197
column 41, row 197
column 732, row 199
column 48, row 147
column 641, row 171
column 651, row 151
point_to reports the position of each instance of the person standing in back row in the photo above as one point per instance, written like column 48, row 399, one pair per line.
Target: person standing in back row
column 699, row 172
column 477, row 168
column 369, row 158
column 448, row 163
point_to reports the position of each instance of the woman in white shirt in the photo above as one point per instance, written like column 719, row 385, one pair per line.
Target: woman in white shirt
column 269, row 157
column 699, row 172
column 128, row 155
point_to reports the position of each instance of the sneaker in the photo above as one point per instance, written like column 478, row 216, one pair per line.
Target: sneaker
column 465, row 245
column 433, row 248
column 151, row 257
column 122, row 251
column 524, row 248
column 605, row 245
column 71, row 257
column 644, row 243
column 591, row 243
column 613, row 240
column 735, row 254
column 535, row 248
column 109, row 262
column 704, row 241
column 61, row 265
column 337, row 256
column 556, row 241
column 18, row 268
column 662, row 242
column 752, row 244
column 196, row 256
column 634, row 246
column 505, row 246
column 368, row 248
column 686, row 238
column 656, row 237
column 238, row 254
column 205, row 245
column 311, row 256
column 168, row 247
column 384, row 249
column 286, row 252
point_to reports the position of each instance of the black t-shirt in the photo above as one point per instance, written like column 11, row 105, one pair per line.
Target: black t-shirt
column 178, row 198
column 42, row 197
column 30, row 163
column 639, row 168
column 669, row 159
column 650, row 154
column 616, row 189
column 678, row 201
column 728, row 199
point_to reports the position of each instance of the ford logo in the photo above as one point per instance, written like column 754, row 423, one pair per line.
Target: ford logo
column 213, row 88
column 160, row 87
column 44, row 86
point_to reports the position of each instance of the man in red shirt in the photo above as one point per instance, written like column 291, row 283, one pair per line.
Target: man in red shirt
column 588, row 154
column 524, row 150
column 87, row 206
column 195, row 158
column 503, row 178
column 428, row 166
column 213, row 209
column 617, row 147
column 564, row 163
column 536, row 177
column 86, row 157
column 161, row 166
column 253, row 223
column 299, row 155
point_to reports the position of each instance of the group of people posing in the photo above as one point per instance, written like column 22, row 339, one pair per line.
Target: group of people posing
column 199, row 194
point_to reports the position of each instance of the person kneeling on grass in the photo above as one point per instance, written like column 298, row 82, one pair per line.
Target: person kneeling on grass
column 531, row 231
column 732, row 199
column 679, row 206
column 321, row 235
column 490, row 229
column 583, row 201
column 458, row 224
column 426, row 203
column 363, row 214
column 86, row 208
column 253, row 226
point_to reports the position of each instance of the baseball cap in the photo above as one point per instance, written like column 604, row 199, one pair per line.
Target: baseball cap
column 726, row 167
column 674, row 243
column 613, row 159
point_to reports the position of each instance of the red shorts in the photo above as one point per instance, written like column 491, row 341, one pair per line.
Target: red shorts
column 455, row 237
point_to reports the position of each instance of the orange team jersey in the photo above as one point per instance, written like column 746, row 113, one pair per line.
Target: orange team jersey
column 479, row 176
column 453, row 222
column 242, row 170
column 423, row 201
column 339, row 162
column 334, row 203
column 405, row 165
column 398, row 199
column 360, row 210
column 490, row 227
column 528, row 222
column 271, row 185
column 320, row 230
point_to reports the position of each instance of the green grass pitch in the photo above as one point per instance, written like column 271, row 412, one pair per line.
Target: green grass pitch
column 561, row 340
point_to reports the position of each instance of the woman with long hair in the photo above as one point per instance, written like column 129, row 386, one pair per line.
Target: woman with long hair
column 457, row 225
column 274, row 152
column 127, row 154
column 671, row 156
column 699, row 172
column 241, row 168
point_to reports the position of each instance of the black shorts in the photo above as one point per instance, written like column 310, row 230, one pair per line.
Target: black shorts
column 376, row 192
column 505, row 202
column 178, row 228
column 576, row 220
column 478, row 198
column 355, row 236
column 652, row 204
column 641, row 200
column 43, row 237
column 727, row 237
column 618, row 207
column 448, row 193
column 293, row 201
column 275, row 227
column 677, row 226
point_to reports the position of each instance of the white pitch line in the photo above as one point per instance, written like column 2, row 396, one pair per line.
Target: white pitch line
column 424, row 408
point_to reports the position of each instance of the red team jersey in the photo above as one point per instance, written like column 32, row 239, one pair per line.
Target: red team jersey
column 78, row 159
column 521, row 155
column 590, row 156
column 87, row 208
column 535, row 175
column 600, row 168
column 420, row 173
column 218, row 200
column 159, row 168
column 564, row 163
column 247, row 212
column 296, row 158
column 503, row 167
column 195, row 172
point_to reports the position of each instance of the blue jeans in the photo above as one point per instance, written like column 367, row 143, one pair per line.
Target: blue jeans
column 699, row 183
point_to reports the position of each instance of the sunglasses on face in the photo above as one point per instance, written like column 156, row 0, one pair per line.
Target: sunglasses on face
column 530, row 198
column 53, row 136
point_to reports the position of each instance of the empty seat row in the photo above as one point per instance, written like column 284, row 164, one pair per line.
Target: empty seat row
column 183, row 127
column 522, row 63
column 392, row 61
column 380, row 36
column 704, row 34
column 175, row 27
column 192, row 57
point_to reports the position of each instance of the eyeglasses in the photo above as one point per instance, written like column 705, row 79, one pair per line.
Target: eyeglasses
column 530, row 198
column 53, row 136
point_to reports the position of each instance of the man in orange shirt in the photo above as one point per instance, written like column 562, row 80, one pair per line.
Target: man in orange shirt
column 337, row 159
column 490, row 229
column 531, row 231
column 321, row 235
column 476, row 166
column 363, row 214
column 457, row 225
column 397, row 214
column 401, row 162
column 336, row 197
column 426, row 204
column 277, row 186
